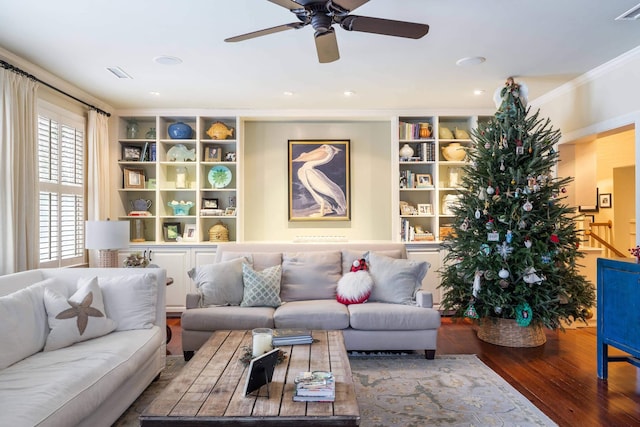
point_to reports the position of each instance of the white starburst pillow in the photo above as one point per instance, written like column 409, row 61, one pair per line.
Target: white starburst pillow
column 354, row 287
column 77, row 318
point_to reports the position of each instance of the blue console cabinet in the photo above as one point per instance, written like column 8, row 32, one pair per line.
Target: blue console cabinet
column 618, row 312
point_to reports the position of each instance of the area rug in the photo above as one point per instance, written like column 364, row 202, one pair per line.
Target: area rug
column 408, row 390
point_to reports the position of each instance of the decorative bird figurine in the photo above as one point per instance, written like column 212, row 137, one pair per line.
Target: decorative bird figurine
column 327, row 194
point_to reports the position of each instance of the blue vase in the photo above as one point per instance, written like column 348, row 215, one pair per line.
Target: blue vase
column 180, row 130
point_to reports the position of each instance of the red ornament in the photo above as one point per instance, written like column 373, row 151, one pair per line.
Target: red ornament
column 555, row 238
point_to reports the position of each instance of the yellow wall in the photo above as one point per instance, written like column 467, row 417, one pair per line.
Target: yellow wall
column 266, row 187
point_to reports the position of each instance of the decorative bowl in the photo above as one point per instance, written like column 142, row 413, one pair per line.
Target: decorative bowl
column 454, row 152
column 180, row 130
column 180, row 208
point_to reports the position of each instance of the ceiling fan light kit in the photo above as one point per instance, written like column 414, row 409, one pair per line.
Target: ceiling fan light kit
column 321, row 15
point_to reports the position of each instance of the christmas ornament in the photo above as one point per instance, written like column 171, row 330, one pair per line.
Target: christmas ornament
column 531, row 277
column 490, row 190
column 502, row 165
column 493, row 236
column 527, row 206
column 505, row 250
column 504, row 284
column 477, row 214
column 509, row 236
column 485, row 249
column 465, row 225
column 524, row 314
column 476, row 283
column 555, row 238
column 498, row 310
column 470, row 312
column 503, row 273
column 527, row 243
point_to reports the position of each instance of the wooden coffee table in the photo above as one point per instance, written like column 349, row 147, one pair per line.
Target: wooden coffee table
column 209, row 389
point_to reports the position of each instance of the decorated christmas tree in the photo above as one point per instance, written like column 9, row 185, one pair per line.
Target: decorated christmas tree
column 514, row 250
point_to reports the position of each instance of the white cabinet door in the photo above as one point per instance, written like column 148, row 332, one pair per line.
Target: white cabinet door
column 431, row 281
column 177, row 263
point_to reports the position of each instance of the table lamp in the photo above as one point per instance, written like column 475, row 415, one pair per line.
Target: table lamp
column 107, row 237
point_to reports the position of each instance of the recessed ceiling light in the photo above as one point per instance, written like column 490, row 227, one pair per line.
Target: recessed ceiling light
column 154, row 93
column 470, row 60
column 119, row 73
column 349, row 93
column 287, row 93
column 478, row 91
column 167, row 60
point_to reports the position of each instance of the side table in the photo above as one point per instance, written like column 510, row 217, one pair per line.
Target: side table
column 169, row 333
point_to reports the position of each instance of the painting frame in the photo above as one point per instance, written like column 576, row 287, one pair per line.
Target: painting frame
column 604, row 200
column 171, row 231
column 133, row 178
column 209, row 203
column 319, row 164
column 212, row 153
column 189, row 233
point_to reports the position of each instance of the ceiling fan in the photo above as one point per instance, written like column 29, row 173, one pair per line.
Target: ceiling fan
column 324, row 13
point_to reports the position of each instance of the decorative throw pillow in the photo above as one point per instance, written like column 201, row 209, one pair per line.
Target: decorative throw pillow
column 354, row 287
column 261, row 288
column 220, row 283
column 130, row 300
column 395, row 280
column 79, row 318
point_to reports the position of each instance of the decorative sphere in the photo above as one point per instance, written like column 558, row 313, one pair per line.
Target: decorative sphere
column 180, row 130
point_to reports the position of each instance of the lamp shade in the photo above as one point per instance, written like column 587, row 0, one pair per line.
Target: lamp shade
column 106, row 235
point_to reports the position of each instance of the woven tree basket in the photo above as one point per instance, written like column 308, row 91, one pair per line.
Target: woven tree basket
column 507, row 333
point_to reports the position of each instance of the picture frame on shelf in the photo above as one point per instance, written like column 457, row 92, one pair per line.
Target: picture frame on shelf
column 171, row 231
column 230, row 211
column 425, row 209
column 189, row 233
column 230, row 156
column 604, row 200
column 212, row 154
column 424, row 180
column 133, row 178
column 131, row 153
column 329, row 160
column 209, row 204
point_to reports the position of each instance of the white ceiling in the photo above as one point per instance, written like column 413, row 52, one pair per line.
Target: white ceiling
column 543, row 42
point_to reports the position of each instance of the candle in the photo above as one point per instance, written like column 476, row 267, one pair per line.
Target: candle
column 261, row 341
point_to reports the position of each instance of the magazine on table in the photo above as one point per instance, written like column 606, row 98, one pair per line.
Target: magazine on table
column 316, row 386
column 291, row 337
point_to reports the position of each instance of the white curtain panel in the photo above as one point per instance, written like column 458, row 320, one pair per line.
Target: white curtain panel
column 98, row 206
column 18, row 173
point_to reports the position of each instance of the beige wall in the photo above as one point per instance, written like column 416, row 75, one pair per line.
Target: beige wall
column 266, row 187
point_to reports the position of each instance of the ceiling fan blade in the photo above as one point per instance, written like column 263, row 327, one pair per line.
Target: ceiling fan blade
column 327, row 47
column 254, row 34
column 387, row 27
column 288, row 4
column 350, row 5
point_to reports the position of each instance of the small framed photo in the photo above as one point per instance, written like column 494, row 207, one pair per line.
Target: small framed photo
column 189, row 233
column 231, row 211
column 425, row 209
column 131, row 153
column 604, row 200
column 171, row 231
column 230, row 156
column 212, row 154
column 133, row 178
column 424, row 180
column 209, row 204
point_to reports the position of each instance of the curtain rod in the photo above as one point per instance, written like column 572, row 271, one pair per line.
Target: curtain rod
column 17, row 70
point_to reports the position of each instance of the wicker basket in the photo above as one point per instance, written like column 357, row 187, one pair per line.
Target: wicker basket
column 507, row 333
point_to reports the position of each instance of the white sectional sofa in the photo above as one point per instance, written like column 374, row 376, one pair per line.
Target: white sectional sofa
column 397, row 316
column 87, row 383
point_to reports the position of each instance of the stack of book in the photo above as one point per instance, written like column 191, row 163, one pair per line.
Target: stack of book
column 317, row 386
column 282, row 337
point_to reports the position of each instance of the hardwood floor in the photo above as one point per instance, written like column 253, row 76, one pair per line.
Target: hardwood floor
column 559, row 377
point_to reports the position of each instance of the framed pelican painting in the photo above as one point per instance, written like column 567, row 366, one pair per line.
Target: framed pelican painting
column 319, row 181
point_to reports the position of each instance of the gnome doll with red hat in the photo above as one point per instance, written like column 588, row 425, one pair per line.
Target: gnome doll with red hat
column 355, row 286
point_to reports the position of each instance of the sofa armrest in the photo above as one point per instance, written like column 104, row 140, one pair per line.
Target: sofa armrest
column 424, row 299
column 193, row 301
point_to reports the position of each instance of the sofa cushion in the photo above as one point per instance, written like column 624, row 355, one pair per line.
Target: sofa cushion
column 354, row 287
column 395, row 280
column 378, row 316
column 24, row 323
column 261, row 288
column 130, row 301
column 350, row 255
column 310, row 275
column 220, row 283
column 230, row 317
column 78, row 318
column 312, row 314
column 259, row 260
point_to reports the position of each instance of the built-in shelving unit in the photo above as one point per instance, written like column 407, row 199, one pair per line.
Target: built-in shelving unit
column 170, row 172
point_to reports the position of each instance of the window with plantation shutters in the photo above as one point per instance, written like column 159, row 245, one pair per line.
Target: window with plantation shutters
column 61, row 168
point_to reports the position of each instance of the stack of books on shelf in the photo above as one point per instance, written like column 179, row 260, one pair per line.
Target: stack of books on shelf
column 316, row 386
column 282, row 337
